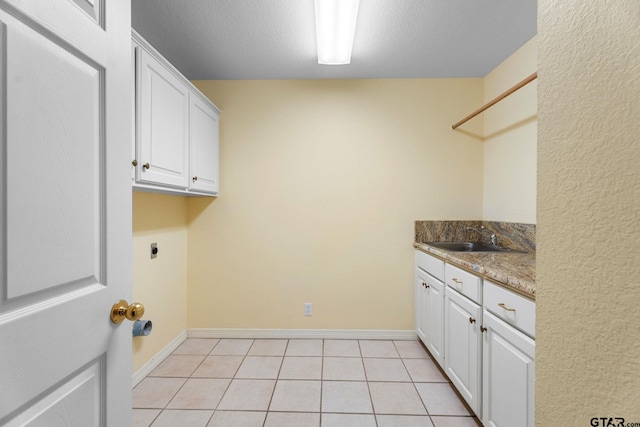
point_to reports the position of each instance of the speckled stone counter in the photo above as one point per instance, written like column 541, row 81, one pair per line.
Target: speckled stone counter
column 515, row 271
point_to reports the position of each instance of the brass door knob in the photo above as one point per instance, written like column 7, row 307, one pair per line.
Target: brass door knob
column 195, row 178
column 134, row 162
column 122, row 310
column 146, row 166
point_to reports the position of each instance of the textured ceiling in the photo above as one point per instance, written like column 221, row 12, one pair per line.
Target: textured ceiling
column 275, row 39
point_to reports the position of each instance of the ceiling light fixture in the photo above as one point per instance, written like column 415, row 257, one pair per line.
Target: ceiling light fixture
column 335, row 28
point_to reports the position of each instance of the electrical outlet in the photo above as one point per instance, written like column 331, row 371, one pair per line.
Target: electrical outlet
column 308, row 309
column 154, row 250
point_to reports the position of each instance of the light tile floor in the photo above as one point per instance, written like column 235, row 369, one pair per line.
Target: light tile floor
column 298, row 383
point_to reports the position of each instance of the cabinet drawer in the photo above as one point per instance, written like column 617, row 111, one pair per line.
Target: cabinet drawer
column 431, row 265
column 514, row 309
column 466, row 283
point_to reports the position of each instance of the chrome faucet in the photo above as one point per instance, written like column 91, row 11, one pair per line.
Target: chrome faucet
column 491, row 237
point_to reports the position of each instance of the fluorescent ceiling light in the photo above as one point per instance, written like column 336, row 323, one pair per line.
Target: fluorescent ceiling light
column 335, row 27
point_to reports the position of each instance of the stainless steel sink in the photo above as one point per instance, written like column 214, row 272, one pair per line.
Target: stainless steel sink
column 471, row 247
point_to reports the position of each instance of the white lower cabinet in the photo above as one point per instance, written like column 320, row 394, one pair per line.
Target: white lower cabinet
column 463, row 344
column 509, row 369
column 508, row 358
column 483, row 336
column 430, row 313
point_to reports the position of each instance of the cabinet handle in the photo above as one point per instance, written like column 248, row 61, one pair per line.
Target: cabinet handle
column 146, row 166
column 424, row 284
column 482, row 328
column 135, row 162
column 459, row 282
column 472, row 320
column 195, row 178
column 504, row 307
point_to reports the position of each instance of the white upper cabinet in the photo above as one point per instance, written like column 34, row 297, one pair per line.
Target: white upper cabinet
column 204, row 146
column 163, row 125
column 176, row 147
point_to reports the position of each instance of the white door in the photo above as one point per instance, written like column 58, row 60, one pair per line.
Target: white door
column 65, row 212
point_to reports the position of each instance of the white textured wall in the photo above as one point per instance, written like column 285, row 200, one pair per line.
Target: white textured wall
column 510, row 130
column 588, row 258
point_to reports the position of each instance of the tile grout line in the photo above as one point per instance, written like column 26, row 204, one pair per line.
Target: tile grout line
column 194, row 371
column 228, row 385
column 366, row 378
column 321, row 380
column 183, row 384
column 234, row 374
column 414, row 384
column 275, row 384
column 424, row 405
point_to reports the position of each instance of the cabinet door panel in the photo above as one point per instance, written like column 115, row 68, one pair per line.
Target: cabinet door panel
column 430, row 313
column 204, row 146
column 421, row 305
column 462, row 346
column 164, row 125
column 509, row 369
column 435, row 319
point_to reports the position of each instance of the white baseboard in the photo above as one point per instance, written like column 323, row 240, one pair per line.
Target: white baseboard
column 152, row 364
column 362, row 334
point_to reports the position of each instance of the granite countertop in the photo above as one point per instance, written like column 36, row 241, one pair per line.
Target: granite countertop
column 515, row 271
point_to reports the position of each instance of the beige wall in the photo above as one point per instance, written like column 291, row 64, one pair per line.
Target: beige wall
column 588, row 269
column 160, row 283
column 510, row 130
column 321, row 182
